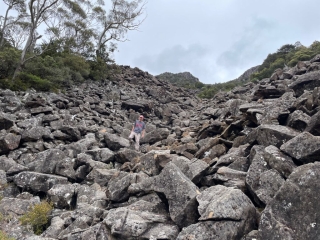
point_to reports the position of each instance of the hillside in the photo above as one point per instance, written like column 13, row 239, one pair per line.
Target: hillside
column 242, row 165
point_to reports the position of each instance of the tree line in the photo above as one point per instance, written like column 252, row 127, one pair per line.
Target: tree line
column 53, row 43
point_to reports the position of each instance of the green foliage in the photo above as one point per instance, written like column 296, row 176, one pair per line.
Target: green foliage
column 210, row 90
column 27, row 80
column 37, row 217
column 4, row 236
column 302, row 54
column 100, row 70
column 289, row 55
column 9, row 58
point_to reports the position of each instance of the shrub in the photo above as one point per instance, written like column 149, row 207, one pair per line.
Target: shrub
column 27, row 80
column 37, row 217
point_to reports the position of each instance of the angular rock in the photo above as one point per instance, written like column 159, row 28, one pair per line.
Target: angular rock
column 155, row 136
column 306, row 81
column 101, row 176
column 38, row 182
column 194, row 169
column 118, row 185
column 220, row 230
column 9, row 142
column 293, row 213
column 279, row 161
column 6, row 121
column 274, row 135
column 298, row 120
column 46, row 161
column 62, row 195
column 126, row 155
column 219, row 203
column 10, row 166
column 17, row 206
column 104, row 155
column 36, row 133
column 139, row 221
column 93, row 195
column 305, row 148
column 115, row 142
column 179, row 191
column 262, row 182
column 313, row 126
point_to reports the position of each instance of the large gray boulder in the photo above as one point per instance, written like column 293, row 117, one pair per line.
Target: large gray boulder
column 262, row 182
column 38, row 182
column 6, row 121
column 179, row 190
column 10, row 166
column 114, row 142
column 294, row 211
column 219, row 202
column 217, row 230
column 9, row 142
column 306, row 81
column 313, row 126
column 155, row 136
column 46, row 161
column 36, row 133
column 140, row 221
column 118, row 185
column 275, row 135
column 279, row 161
column 62, row 195
column 101, row 176
column 305, row 147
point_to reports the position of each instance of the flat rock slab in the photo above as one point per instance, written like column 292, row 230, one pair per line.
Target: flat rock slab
column 306, row 81
column 294, row 211
column 275, row 135
column 38, row 182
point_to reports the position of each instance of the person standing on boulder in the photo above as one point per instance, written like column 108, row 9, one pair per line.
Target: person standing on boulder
column 138, row 131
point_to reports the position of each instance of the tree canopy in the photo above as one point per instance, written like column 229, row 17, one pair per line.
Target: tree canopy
column 55, row 34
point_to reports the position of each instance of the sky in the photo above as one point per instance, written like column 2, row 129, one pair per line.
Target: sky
column 215, row 40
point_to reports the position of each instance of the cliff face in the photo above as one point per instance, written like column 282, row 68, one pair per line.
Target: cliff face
column 243, row 165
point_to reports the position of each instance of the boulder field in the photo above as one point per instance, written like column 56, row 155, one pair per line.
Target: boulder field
column 244, row 165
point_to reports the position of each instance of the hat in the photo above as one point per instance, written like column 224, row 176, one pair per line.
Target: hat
column 141, row 116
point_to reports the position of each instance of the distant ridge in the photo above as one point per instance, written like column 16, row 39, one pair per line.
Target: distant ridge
column 184, row 79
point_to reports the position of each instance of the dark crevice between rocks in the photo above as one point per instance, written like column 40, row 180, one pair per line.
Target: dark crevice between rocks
column 164, row 200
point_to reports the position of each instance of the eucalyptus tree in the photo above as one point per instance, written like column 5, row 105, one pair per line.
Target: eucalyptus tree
column 8, row 28
column 38, row 12
column 123, row 16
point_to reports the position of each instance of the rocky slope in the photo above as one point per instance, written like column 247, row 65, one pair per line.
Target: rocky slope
column 244, row 165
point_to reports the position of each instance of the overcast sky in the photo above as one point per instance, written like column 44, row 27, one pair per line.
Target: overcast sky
column 216, row 40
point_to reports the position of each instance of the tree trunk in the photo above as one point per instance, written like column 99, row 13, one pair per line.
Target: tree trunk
column 23, row 54
column 4, row 26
